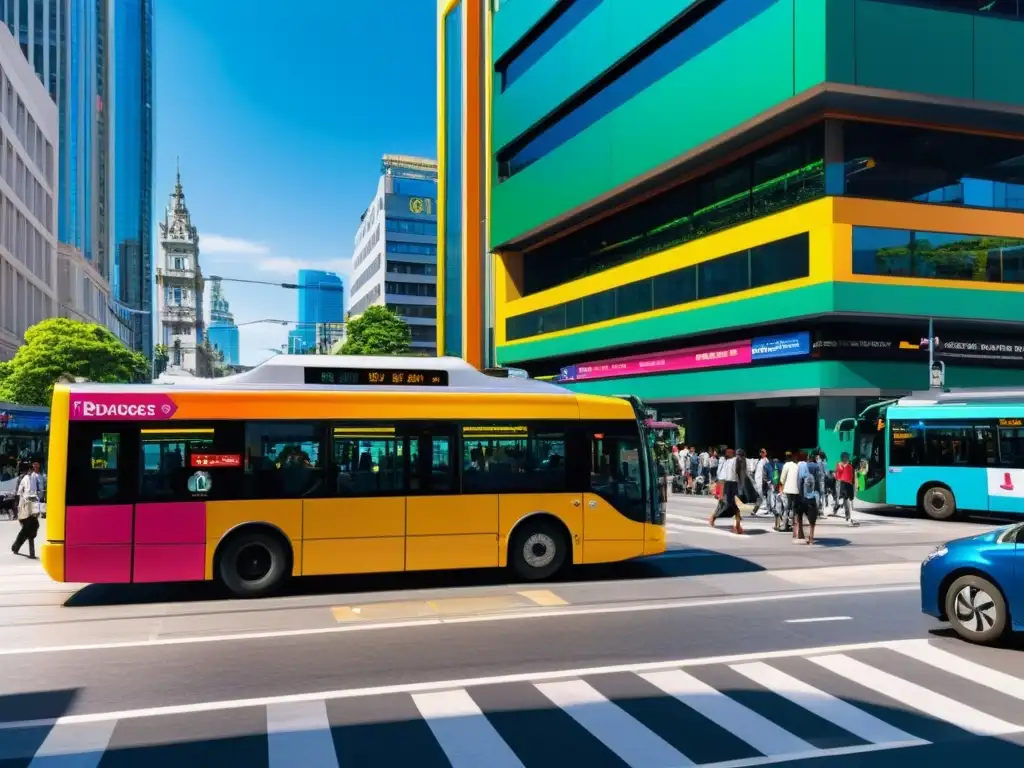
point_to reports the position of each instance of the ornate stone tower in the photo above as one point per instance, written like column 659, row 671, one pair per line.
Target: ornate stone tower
column 179, row 287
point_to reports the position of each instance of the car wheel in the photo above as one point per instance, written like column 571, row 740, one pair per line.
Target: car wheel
column 538, row 550
column 976, row 609
column 938, row 503
column 253, row 564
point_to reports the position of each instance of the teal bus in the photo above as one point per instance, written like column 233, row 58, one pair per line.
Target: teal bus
column 942, row 452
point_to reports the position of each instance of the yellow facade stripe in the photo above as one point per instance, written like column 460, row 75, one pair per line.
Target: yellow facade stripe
column 803, row 218
column 543, row 597
column 823, row 270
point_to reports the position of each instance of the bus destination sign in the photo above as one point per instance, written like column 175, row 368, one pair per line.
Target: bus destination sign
column 1011, row 422
column 376, row 377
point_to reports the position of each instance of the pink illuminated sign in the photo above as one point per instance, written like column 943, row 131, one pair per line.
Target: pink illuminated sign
column 141, row 406
column 712, row 356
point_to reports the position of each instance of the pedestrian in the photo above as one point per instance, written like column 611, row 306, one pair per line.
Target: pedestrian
column 844, row 487
column 762, row 484
column 811, row 483
column 30, row 488
column 729, row 476
column 790, row 483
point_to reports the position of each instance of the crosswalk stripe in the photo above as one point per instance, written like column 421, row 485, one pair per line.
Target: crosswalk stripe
column 463, row 731
column 74, row 745
column 298, row 733
column 634, row 743
column 969, row 670
column 743, row 723
column 933, row 704
column 826, row 706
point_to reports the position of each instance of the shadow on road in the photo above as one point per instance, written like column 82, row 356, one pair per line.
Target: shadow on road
column 673, row 564
column 1010, row 642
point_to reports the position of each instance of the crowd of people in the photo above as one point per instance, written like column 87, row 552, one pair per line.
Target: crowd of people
column 795, row 491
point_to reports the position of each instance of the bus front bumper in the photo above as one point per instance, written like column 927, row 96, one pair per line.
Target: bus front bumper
column 51, row 555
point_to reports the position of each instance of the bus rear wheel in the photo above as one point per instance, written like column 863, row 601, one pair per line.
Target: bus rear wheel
column 938, row 503
column 538, row 550
column 253, row 564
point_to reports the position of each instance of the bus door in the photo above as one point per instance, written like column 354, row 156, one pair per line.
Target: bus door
column 1006, row 481
column 616, row 500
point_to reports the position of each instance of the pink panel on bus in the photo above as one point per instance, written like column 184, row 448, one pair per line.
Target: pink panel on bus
column 170, row 562
column 98, row 563
column 109, row 524
column 177, row 522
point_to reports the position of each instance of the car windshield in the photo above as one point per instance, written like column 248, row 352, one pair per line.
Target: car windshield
column 1011, row 533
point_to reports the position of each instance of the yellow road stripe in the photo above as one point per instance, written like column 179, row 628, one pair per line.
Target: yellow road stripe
column 543, row 597
column 449, row 606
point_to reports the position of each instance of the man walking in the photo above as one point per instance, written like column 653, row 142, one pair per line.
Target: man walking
column 30, row 488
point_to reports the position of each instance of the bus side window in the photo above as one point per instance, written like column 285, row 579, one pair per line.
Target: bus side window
column 432, row 469
column 368, row 461
column 616, row 474
column 284, row 459
column 97, row 459
column 178, row 463
column 513, row 458
column 1011, row 446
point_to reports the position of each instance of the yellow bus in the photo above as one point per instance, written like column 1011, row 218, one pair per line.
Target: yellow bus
column 317, row 465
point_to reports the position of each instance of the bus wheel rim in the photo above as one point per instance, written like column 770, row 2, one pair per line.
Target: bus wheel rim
column 975, row 609
column 539, row 550
column 254, row 562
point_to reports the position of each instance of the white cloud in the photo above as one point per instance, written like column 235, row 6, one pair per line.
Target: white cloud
column 286, row 265
column 231, row 246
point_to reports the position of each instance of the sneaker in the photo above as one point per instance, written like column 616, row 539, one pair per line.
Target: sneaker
column 851, row 522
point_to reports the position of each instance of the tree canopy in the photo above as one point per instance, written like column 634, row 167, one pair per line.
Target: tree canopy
column 59, row 347
column 378, row 331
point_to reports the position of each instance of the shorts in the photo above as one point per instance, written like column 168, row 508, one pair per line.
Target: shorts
column 810, row 510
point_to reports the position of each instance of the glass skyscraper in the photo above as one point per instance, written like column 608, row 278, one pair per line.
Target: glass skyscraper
column 222, row 331
column 321, row 300
column 132, row 139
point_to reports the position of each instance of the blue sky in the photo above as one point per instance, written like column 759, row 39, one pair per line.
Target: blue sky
column 280, row 112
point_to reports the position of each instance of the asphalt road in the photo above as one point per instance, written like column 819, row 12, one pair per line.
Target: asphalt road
column 723, row 683
column 727, row 650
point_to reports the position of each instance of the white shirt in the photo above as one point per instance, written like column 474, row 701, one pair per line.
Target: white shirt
column 789, row 479
column 727, row 471
column 30, row 485
column 759, row 472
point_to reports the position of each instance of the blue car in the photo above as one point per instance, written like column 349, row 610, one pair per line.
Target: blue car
column 977, row 584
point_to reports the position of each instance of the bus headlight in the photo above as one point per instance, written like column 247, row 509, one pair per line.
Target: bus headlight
column 939, row 551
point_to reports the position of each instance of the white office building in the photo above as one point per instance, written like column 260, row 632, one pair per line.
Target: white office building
column 395, row 257
column 28, row 188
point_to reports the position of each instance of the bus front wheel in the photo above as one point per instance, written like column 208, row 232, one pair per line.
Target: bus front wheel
column 538, row 550
column 253, row 564
column 938, row 503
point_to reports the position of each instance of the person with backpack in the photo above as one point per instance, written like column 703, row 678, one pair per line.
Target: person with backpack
column 812, row 481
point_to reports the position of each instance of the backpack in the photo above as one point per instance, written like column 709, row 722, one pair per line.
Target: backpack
column 810, row 486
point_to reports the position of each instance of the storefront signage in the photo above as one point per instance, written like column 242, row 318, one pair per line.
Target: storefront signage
column 786, row 345
column 695, row 358
column 121, row 407
column 21, row 420
column 978, row 352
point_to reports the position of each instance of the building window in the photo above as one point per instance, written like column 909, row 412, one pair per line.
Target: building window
column 1007, row 9
column 544, row 36
column 411, row 268
column 937, row 256
column 692, row 32
column 452, row 181
column 423, row 311
column 777, row 177
column 410, row 289
column 889, row 162
column 770, row 264
column 411, row 227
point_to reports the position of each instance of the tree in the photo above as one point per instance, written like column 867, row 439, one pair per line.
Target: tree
column 59, row 347
column 378, row 331
column 161, row 357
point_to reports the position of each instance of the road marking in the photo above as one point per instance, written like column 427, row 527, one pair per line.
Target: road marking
column 743, row 723
column 969, row 670
column 705, row 528
column 542, row 597
column 443, row 685
column 819, row 619
column 635, row 744
column 299, row 733
column 74, row 745
column 567, row 612
column 825, row 705
column 933, row 704
column 463, row 731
